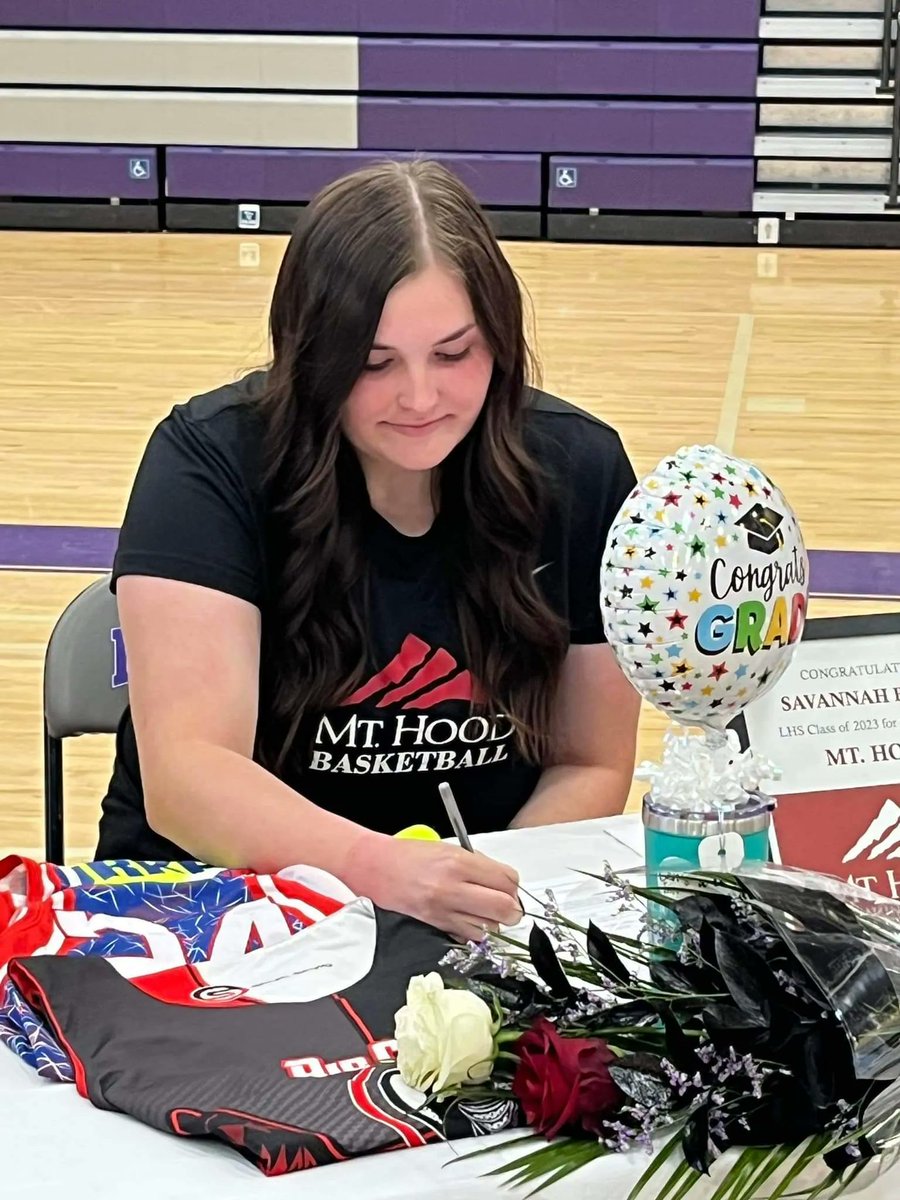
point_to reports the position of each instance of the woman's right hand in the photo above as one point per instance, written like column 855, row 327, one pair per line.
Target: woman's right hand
column 453, row 889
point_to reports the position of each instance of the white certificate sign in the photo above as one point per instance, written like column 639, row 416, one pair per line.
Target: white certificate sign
column 832, row 725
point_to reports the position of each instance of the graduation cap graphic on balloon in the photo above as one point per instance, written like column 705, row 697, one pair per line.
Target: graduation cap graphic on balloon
column 762, row 526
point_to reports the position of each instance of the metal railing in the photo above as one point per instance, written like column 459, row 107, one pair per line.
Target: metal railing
column 894, row 172
column 887, row 42
column 889, row 85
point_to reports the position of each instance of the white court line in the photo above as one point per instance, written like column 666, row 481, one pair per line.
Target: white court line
column 734, row 384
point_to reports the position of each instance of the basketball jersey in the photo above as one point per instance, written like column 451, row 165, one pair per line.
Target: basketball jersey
column 285, row 1053
column 143, row 917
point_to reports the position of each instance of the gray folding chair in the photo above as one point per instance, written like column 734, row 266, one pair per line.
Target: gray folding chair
column 85, row 691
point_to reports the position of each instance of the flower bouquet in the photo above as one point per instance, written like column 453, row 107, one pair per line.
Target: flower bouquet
column 757, row 1010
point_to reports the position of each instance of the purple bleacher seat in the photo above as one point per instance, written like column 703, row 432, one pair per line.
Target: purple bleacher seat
column 294, row 176
column 659, row 18
column 582, row 18
column 640, row 184
column 453, row 66
column 560, row 126
column 83, row 172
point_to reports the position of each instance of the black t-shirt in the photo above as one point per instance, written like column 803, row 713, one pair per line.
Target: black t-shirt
column 198, row 513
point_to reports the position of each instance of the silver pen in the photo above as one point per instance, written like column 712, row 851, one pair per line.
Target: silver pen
column 454, row 815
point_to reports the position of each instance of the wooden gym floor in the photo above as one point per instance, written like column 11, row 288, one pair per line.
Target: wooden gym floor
column 788, row 358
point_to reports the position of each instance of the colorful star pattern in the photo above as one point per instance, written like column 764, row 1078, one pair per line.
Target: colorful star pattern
column 679, row 525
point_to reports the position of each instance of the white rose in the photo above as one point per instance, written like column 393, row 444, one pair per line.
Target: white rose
column 444, row 1036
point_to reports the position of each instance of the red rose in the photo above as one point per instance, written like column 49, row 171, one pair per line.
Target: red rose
column 564, row 1084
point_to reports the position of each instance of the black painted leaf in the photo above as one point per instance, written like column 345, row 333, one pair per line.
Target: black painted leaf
column 602, row 951
column 547, row 965
column 635, row 1012
column 785, row 1118
column 639, row 1061
column 849, row 1156
column 710, row 908
column 679, row 1049
column 825, row 1067
column 695, row 1142
column 726, row 1023
column 817, row 909
column 670, row 975
column 747, row 977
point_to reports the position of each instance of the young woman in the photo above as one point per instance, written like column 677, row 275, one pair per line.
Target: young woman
column 372, row 568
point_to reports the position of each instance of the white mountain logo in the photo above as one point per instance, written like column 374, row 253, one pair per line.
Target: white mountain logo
column 882, row 835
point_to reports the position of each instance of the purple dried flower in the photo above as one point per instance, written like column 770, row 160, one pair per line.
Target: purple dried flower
column 716, row 1126
column 725, row 1067
column 550, row 906
column 742, row 910
column 475, row 956
column 679, row 1082
column 786, row 982
column 689, row 950
column 621, row 891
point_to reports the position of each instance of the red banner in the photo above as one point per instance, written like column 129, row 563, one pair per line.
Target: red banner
column 850, row 832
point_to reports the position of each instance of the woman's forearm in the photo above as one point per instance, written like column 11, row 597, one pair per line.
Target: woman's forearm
column 574, row 793
column 228, row 810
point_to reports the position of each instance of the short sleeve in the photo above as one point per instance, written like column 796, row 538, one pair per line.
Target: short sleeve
column 604, row 478
column 191, row 514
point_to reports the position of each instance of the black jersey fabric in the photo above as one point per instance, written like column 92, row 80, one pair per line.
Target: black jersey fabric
column 198, row 513
column 260, row 1053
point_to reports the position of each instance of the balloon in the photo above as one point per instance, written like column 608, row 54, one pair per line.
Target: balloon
column 704, row 585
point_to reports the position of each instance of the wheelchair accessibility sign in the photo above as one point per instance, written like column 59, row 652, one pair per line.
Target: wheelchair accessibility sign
column 566, row 177
column 139, row 168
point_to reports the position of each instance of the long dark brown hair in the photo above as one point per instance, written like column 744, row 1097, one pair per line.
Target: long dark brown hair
column 359, row 237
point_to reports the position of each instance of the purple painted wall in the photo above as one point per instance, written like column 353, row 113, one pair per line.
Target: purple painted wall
column 195, row 172
column 646, row 184
column 581, row 18
column 707, row 70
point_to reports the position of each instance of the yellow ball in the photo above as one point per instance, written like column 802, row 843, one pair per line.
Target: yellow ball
column 419, row 833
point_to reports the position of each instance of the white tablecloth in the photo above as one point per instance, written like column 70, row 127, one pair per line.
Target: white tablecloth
column 54, row 1143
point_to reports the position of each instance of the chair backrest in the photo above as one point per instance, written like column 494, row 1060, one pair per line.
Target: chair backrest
column 85, row 672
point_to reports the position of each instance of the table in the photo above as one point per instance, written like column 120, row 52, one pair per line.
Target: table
column 52, row 1142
